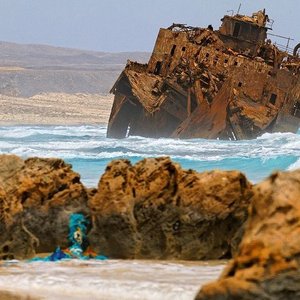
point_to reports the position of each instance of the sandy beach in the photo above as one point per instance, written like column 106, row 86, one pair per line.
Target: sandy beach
column 55, row 109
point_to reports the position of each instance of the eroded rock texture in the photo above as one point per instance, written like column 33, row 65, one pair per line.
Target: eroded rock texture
column 36, row 198
column 267, row 265
column 155, row 209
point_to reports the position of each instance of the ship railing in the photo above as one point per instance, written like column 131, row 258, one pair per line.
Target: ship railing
column 283, row 47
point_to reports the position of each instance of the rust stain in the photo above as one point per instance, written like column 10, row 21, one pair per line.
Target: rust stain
column 231, row 83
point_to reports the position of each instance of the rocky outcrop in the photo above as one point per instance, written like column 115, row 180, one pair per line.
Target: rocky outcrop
column 154, row 209
column 267, row 265
column 36, row 198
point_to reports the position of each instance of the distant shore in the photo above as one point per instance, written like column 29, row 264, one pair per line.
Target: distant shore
column 55, row 109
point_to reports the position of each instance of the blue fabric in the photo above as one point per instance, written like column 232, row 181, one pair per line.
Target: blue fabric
column 101, row 257
column 58, row 254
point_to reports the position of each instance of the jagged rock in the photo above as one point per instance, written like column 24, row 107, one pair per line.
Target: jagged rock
column 155, row 209
column 36, row 198
column 267, row 265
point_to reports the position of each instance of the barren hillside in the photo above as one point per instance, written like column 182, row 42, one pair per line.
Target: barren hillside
column 27, row 70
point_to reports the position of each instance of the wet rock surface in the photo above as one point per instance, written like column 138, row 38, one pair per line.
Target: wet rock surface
column 36, row 198
column 268, row 262
column 155, row 209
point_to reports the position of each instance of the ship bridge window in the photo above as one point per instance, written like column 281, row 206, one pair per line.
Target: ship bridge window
column 236, row 30
column 273, row 99
column 173, row 50
column 157, row 68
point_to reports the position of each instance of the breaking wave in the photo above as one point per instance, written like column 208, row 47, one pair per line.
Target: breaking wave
column 89, row 151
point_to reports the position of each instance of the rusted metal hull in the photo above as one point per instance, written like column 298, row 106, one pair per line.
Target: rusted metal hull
column 201, row 83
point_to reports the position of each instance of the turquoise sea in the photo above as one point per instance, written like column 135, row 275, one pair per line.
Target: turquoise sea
column 89, row 151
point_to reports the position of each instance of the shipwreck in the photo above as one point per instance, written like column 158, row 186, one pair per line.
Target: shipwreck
column 231, row 83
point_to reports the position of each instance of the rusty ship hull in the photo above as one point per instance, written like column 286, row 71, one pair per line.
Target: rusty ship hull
column 231, row 83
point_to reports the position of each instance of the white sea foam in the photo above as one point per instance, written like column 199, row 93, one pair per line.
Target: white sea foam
column 81, row 144
column 27, row 131
column 111, row 279
column 295, row 165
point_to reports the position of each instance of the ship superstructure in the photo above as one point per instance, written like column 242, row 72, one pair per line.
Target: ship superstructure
column 231, row 83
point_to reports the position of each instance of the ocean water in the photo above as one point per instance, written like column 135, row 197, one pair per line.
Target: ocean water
column 89, row 151
column 107, row 280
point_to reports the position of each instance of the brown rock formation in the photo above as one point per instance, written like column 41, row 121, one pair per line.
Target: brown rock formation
column 268, row 261
column 36, row 198
column 155, row 209
column 151, row 210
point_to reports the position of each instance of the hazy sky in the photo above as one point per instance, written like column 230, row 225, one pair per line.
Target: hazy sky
column 126, row 25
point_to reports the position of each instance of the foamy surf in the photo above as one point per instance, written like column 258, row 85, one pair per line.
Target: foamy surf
column 111, row 279
column 89, row 151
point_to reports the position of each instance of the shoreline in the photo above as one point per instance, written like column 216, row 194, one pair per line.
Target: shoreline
column 109, row 279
